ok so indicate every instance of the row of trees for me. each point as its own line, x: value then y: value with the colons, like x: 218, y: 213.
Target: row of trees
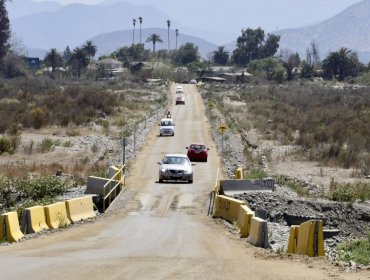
x: 254, y: 50
x: 78, y: 59
x: 154, y: 36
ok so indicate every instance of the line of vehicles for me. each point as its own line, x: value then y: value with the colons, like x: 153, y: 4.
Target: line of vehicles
x: 178, y: 167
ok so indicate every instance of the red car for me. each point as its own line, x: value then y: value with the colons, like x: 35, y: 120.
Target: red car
x: 197, y: 152
x: 180, y: 100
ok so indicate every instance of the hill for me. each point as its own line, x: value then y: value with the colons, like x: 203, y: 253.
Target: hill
x: 109, y: 42
x: 74, y: 24
x: 350, y: 29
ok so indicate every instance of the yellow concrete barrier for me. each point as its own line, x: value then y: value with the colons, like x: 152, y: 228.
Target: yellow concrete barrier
x: 293, y: 236
x: 310, y: 239
x: 244, y: 220
x: 56, y: 215
x: 258, y: 233
x: 227, y: 208
x: 80, y: 208
x: 2, y: 227
x: 239, y: 174
x: 34, y: 220
x: 11, y: 224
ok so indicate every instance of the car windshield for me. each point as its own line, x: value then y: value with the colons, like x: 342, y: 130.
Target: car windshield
x: 166, y: 123
x: 197, y: 147
x: 175, y: 160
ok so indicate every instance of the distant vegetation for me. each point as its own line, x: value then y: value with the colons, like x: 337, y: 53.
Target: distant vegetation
x: 330, y: 126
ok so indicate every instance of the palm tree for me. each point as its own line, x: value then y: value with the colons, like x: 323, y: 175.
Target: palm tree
x: 133, y: 31
x: 177, y: 35
x: 341, y: 63
x: 168, y: 34
x: 221, y: 56
x: 154, y: 38
x: 90, y: 49
x: 53, y: 59
x: 140, y: 21
x: 79, y: 60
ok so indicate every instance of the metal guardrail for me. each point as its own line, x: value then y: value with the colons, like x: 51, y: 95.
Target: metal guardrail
x: 121, y: 173
x: 213, y: 194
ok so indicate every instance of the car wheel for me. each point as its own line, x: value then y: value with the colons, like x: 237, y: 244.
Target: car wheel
x: 160, y: 180
x: 205, y: 160
x: 190, y: 181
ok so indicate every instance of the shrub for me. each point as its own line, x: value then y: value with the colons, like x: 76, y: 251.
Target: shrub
x: 38, y: 117
x: 357, y: 250
x: 67, y: 144
x: 40, y: 188
x: 46, y: 145
x: 349, y: 192
x: 256, y: 174
x: 8, y: 144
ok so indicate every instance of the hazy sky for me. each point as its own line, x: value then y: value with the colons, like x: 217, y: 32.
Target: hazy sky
x: 223, y: 16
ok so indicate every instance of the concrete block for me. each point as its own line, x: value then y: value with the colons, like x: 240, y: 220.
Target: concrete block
x: 81, y: 208
x: 244, y: 220
x: 310, y: 239
x: 227, y: 208
x: 293, y: 236
x: 232, y: 187
x: 258, y: 233
x: 98, y: 185
x: 33, y: 220
x: 12, y: 229
x: 56, y: 215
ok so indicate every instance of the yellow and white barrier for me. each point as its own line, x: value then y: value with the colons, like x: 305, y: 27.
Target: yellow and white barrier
x: 56, y: 215
x: 244, y: 220
x: 80, y: 208
x: 258, y: 233
x: 10, y: 230
x: 34, y: 220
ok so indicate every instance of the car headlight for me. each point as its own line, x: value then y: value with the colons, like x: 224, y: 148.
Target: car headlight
x: 187, y: 172
x: 163, y: 170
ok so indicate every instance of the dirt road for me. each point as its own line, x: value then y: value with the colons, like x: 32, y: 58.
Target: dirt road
x: 159, y: 231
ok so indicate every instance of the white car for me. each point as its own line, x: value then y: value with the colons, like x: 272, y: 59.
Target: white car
x: 179, y: 89
x: 175, y: 167
x: 194, y: 82
x: 166, y: 127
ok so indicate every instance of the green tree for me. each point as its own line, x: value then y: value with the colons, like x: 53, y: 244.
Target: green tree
x: 270, y: 66
x: 4, y: 30
x: 67, y: 54
x: 341, y: 64
x: 154, y: 38
x: 79, y: 61
x: 90, y: 49
x: 132, y: 53
x: 53, y: 59
x: 289, y: 62
x: 187, y: 53
x: 221, y: 56
x: 253, y: 45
